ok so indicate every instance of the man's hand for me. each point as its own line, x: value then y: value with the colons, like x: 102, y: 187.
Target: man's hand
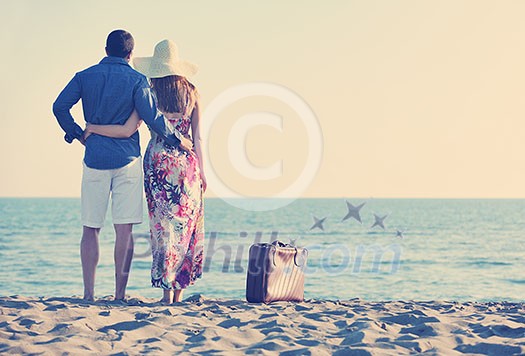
x: 87, y: 133
x: 186, y: 144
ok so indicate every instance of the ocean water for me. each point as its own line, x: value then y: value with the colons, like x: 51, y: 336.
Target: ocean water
x: 454, y: 249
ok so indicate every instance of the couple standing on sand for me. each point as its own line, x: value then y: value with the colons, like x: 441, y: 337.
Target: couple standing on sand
x: 115, y: 100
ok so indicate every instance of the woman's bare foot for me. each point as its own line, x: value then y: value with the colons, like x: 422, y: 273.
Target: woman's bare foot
x: 167, y: 297
x: 178, y: 295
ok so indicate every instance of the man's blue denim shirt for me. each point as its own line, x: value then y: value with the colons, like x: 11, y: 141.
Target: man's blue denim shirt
x: 110, y: 91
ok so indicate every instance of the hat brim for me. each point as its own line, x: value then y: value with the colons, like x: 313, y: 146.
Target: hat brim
x: 151, y: 67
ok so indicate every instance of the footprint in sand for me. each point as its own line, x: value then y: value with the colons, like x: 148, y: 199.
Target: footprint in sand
x: 489, y: 349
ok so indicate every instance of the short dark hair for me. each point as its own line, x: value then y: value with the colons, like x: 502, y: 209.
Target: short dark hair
x: 120, y: 43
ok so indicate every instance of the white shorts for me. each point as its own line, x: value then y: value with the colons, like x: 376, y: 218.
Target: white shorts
x: 126, y: 187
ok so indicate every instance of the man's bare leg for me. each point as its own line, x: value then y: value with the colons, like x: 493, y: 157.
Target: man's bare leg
x: 123, y: 257
x: 89, y: 254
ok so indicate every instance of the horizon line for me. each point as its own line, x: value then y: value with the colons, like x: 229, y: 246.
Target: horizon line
x: 315, y: 197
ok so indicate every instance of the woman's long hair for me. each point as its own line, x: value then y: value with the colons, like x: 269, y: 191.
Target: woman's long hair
x: 174, y: 93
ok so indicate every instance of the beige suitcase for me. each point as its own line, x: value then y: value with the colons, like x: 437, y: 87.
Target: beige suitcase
x: 275, y: 273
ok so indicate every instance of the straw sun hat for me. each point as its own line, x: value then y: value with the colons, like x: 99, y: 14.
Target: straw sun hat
x: 165, y: 62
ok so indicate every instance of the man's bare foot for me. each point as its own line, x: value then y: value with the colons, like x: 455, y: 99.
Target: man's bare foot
x: 120, y: 296
x: 89, y: 298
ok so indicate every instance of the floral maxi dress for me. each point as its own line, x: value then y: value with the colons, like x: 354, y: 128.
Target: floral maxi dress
x: 174, y: 194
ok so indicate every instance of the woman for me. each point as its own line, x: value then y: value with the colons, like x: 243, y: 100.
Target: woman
x: 173, y: 178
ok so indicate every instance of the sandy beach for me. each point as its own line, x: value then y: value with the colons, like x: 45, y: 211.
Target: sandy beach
x: 201, y: 325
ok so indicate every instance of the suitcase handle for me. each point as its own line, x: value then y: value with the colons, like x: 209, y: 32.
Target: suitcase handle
x: 274, y: 248
x: 305, y: 252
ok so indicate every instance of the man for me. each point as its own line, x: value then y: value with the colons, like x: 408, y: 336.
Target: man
x: 110, y: 91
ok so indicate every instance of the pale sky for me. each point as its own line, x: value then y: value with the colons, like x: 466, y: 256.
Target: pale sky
x: 413, y: 98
